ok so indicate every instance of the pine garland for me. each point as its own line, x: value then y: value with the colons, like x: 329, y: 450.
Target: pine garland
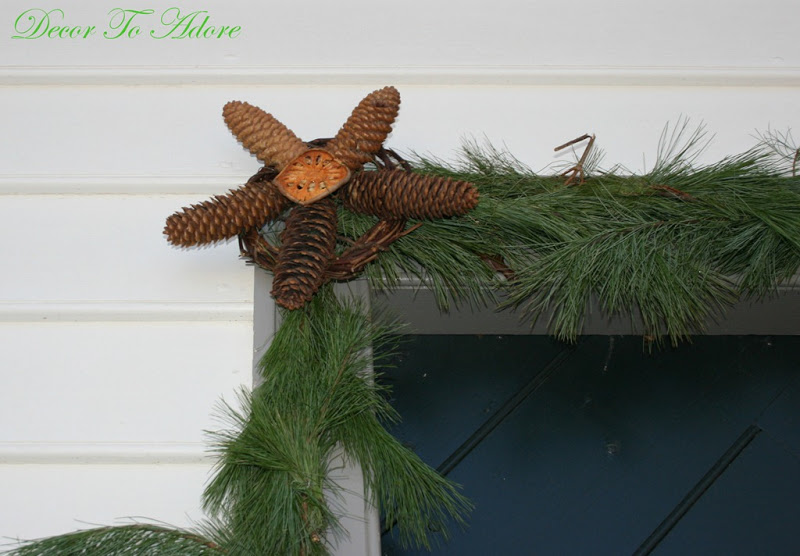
x: 126, y: 540
x: 672, y: 247
x: 314, y: 400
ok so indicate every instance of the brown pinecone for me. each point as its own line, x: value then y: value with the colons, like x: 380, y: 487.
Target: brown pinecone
x: 401, y: 194
x: 366, y: 129
x: 272, y: 142
x: 307, y: 246
x: 225, y: 216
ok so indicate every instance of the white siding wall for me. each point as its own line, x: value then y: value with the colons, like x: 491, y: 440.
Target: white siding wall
x: 115, y: 346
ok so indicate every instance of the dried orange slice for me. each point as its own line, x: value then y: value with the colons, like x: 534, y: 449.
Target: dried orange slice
x: 311, y: 176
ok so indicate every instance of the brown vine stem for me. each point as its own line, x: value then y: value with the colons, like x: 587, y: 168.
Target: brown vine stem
x: 497, y: 264
x: 570, y: 143
x: 576, y: 174
x: 314, y: 537
x: 386, y: 155
x: 367, y: 248
x: 667, y: 191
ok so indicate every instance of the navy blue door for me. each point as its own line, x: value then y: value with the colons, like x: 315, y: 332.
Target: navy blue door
x: 602, y: 448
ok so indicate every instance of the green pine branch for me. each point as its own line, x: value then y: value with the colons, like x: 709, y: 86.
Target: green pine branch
x: 272, y: 477
x: 126, y: 540
x: 671, y: 248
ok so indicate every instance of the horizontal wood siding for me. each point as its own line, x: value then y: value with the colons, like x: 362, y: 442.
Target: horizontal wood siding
x: 116, y: 346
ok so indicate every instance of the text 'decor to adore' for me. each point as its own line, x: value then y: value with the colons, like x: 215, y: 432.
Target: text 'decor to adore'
x: 121, y: 23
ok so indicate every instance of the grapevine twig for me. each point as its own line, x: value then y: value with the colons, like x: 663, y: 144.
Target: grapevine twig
x: 576, y: 173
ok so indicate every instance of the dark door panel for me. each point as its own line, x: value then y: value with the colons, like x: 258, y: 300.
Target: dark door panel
x: 604, y: 448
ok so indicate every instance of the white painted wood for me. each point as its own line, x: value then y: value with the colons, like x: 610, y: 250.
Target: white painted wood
x: 266, y: 319
x: 419, y: 34
x: 357, y: 516
x: 592, y: 76
x: 118, y: 184
x: 144, y: 134
x: 111, y: 383
x: 44, y: 500
x: 127, y: 311
x: 775, y: 315
x: 110, y: 249
x: 142, y: 453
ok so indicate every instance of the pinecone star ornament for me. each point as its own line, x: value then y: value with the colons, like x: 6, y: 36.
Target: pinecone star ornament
x: 308, y: 181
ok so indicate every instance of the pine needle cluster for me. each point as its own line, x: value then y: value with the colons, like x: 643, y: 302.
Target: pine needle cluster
x: 273, y: 484
x: 672, y: 248
x: 126, y: 540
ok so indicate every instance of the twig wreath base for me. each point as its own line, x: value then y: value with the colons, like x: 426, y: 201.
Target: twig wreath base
x: 349, y: 264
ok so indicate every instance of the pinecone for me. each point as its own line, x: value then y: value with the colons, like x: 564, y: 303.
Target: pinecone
x: 307, y: 246
x: 225, y: 216
x: 272, y: 142
x: 401, y: 194
x: 366, y: 129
